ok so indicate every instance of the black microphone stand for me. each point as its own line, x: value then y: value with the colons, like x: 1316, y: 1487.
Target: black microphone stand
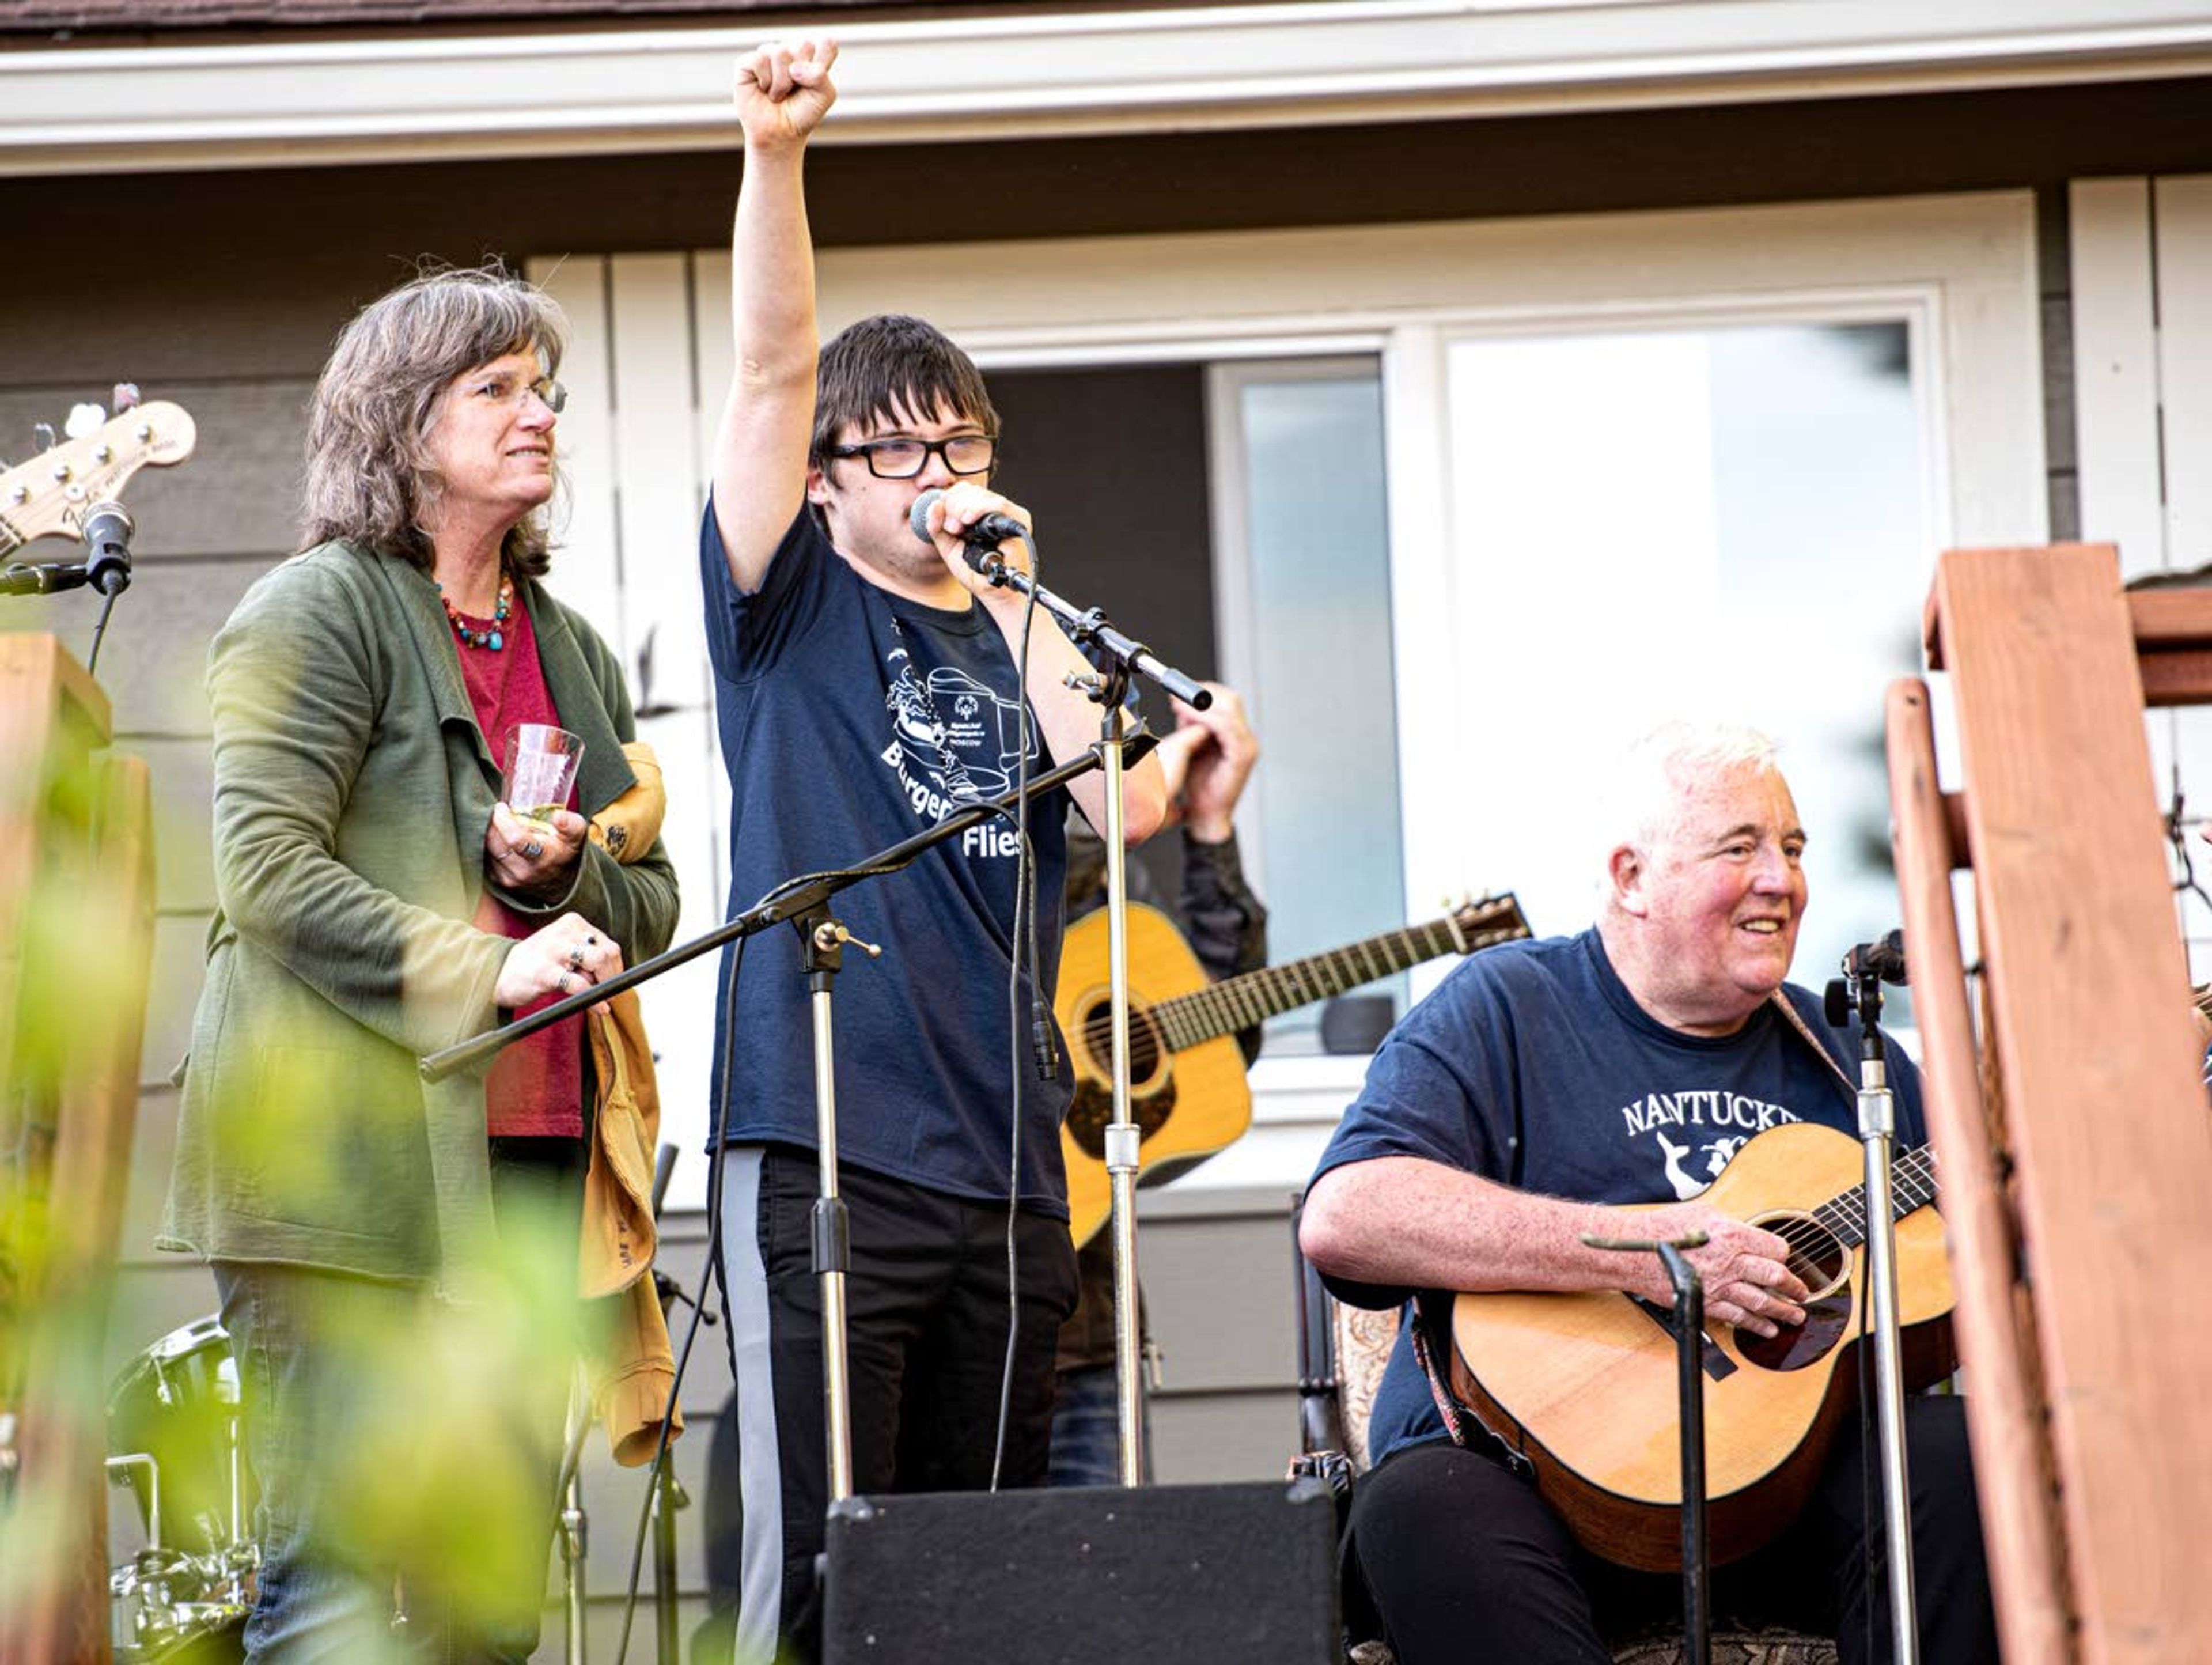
x: 1689, y: 1323
x: 803, y: 903
x: 107, y: 528
x: 1859, y: 989
x: 42, y: 577
x: 1123, y: 1138
x: 790, y: 902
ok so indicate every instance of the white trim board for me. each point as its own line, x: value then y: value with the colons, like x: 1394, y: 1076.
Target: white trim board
x: 80, y: 109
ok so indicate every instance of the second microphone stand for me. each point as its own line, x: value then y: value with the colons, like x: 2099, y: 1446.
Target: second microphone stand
x: 1859, y: 990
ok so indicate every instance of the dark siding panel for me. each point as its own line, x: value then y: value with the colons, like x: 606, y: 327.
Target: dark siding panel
x: 183, y: 787
x: 1222, y: 1300
x: 179, y: 956
x: 1241, y: 1437
x: 238, y: 494
x: 154, y: 663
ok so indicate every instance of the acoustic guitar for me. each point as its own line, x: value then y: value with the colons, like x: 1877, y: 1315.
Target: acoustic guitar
x: 1584, y: 1385
x: 1187, y: 1088
x: 47, y: 496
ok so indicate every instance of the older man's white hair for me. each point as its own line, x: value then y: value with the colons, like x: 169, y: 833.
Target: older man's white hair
x: 1644, y: 800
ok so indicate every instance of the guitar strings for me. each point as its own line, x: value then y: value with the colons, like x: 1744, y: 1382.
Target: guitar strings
x: 1245, y: 1001
x: 1225, y: 1007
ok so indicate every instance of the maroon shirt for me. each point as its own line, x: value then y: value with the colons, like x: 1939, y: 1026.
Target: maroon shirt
x: 536, y: 1086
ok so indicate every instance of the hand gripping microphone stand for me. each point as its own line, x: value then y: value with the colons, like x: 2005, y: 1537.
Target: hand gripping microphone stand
x: 1866, y: 968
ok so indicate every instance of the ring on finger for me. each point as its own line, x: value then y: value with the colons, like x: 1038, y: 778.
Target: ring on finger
x: 576, y: 957
x: 532, y: 850
x: 563, y: 984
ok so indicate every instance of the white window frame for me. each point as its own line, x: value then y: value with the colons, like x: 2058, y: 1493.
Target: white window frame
x: 1235, y: 613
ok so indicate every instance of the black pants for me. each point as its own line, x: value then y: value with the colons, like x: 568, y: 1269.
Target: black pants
x: 927, y: 1329
x: 1465, y: 1563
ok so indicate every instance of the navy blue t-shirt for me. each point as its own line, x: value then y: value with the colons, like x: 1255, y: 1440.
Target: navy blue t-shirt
x: 1532, y: 1065
x: 850, y: 719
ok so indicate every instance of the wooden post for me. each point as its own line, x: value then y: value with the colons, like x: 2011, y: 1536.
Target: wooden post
x: 76, y: 915
x: 2080, y: 1267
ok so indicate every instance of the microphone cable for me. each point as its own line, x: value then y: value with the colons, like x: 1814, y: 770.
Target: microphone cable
x: 99, y: 632
x: 1026, y: 903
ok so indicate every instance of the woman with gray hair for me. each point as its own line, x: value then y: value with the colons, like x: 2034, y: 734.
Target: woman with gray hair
x: 376, y: 902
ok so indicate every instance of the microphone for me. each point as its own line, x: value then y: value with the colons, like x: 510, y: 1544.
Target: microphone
x: 983, y: 538
x: 107, y: 528
x: 1884, y: 959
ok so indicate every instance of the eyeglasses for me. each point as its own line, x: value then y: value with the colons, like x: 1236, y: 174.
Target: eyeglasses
x: 499, y: 390
x: 901, y: 459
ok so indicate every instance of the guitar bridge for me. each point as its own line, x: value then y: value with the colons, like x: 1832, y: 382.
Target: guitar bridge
x: 1717, y: 1364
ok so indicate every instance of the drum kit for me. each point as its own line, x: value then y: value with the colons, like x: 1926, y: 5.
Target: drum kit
x: 174, y: 1441
x: 173, y: 1431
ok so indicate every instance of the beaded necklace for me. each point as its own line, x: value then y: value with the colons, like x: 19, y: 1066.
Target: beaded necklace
x: 492, y: 635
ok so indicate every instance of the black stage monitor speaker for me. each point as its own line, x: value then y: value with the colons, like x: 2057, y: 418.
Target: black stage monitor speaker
x: 1210, y: 1575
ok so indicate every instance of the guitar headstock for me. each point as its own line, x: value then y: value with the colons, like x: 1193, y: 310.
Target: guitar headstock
x: 47, y: 496
x: 1487, y: 921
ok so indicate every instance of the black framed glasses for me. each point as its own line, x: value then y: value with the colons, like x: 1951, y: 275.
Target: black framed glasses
x: 901, y: 459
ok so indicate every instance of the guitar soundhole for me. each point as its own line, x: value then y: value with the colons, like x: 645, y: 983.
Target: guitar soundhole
x: 1146, y: 1052
x: 1823, y: 1264
x: 1151, y: 1085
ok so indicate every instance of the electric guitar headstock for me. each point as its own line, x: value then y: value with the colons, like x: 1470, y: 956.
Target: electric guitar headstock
x: 47, y: 496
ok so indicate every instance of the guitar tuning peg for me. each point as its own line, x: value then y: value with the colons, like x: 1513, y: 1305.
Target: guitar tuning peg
x: 126, y: 396
x: 84, y: 419
x: 42, y: 435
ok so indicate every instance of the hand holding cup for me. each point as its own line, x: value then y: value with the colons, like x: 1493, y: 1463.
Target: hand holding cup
x: 534, y: 837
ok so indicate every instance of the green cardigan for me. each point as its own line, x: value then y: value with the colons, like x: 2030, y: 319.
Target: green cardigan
x: 352, y: 792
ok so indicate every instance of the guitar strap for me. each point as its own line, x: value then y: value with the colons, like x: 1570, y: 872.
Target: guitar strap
x: 1460, y: 1421
x: 1804, y: 1029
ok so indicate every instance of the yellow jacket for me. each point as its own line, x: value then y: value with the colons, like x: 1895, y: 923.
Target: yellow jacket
x: 633, y: 1369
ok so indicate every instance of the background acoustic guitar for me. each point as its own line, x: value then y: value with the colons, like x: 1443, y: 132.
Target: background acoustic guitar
x: 1583, y: 1385
x: 1187, y: 1086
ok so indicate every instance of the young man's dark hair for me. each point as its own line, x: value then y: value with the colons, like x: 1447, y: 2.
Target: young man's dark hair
x: 889, y: 364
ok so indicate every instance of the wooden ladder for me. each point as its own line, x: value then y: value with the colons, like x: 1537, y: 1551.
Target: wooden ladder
x: 2073, y: 1135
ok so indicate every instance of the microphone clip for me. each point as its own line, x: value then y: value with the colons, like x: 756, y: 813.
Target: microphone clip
x: 1866, y: 968
x: 108, y: 531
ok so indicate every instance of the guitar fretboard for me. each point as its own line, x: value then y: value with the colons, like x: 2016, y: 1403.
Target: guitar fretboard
x: 1911, y: 1185
x: 1241, y: 1002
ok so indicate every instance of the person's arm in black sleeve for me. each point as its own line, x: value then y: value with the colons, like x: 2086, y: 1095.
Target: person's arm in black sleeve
x: 1208, y: 759
x: 1226, y: 924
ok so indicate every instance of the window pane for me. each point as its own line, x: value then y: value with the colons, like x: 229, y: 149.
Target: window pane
x: 1318, y: 549
x: 1729, y: 522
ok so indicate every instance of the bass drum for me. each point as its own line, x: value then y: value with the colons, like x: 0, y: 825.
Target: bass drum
x: 174, y: 1441
x: 176, y: 1405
